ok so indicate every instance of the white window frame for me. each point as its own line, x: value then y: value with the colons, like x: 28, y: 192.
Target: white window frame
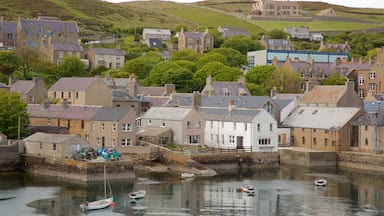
x: 126, y: 127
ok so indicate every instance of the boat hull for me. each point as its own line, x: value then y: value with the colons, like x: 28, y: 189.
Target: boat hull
x: 137, y: 194
x: 98, y: 204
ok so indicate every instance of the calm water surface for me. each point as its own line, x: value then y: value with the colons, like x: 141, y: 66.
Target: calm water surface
x: 286, y: 191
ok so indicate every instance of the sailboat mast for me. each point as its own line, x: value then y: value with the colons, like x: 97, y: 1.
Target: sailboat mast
x: 105, y: 183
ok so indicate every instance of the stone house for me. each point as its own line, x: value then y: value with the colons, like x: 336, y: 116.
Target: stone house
x: 53, y: 145
x: 228, y: 32
x: 31, y: 32
x: 322, y: 128
x: 251, y: 130
x: 113, y: 127
x: 8, y: 34
x: 57, y: 51
x: 197, y: 41
x: 298, y: 32
x: 110, y: 58
x: 341, y: 47
x: 163, y: 34
x: 81, y: 91
x: 75, y: 119
x: 276, y: 8
x: 187, y: 124
x: 217, y: 88
x: 276, y: 44
x: 31, y: 91
x: 329, y: 12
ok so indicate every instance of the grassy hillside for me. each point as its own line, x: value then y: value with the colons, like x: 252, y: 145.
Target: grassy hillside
x: 96, y: 16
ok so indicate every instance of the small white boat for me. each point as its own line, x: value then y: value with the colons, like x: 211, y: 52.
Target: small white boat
x: 247, y: 188
x: 98, y: 204
x: 137, y: 194
x: 320, y: 182
x: 187, y: 175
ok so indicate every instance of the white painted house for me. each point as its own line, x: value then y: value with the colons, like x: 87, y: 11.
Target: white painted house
x: 249, y: 129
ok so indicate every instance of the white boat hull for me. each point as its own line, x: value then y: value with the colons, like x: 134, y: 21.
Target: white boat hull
x: 320, y: 182
x: 95, y: 205
x: 137, y: 194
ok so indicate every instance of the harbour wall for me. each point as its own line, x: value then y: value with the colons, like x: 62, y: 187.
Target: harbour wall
x: 9, y: 158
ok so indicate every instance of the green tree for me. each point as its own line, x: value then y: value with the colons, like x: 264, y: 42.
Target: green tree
x: 218, y: 71
x: 289, y: 81
x: 242, y: 44
x: 11, y: 107
x: 191, y: 66
x: 72, y: 66
x: 260, y: 79
x: 211, y: 57
x: 277, y: 34
x: 234, y: 57
x: 334, y: 79
x: 170, y: 72
x: 8, y: 62
x: 142, y: 65
x: 185, y: 54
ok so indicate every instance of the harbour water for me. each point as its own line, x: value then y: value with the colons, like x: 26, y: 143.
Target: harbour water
x: 284, y: 191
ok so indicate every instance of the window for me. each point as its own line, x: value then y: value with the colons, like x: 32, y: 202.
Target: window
x: 162, y: 123
x: 114, y: 127
x: 211, y: 124
x: 372, y: 75
x: 234, y: 125
x: 77, y: 95
x: 222, y: 139
x: 198, y: 124
x: 49, y: 121
x: 82, y: 124
x: 41, y: 145
x: 361, y: 80
x: 194, y: 139
x: 188, y: 124
x: 231, y: 139
x: 126, y: 142
x: 126, y: 127
x: 149, y: 121
x: 258, y: 127
x: 31, y: 98
x: 326, y: 142
x: 98, y: 141
x: 138, y: 122
x: 113, y: 142
x: 360, y: 92
x: 366, y: 127
x: 69, y: 94
x: 245, y: 126
x: 54, y: 94
x: 366, y: 141
x: 303, y: 140
x: 314, y: 141
x: 271, y: 127
x: 372, y: 86
x: 102, y: 126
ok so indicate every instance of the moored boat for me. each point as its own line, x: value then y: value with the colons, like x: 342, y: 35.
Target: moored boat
x: 320, y: 182
x: 247, y: 188
x: 187, y: 175
x: 137, y: 194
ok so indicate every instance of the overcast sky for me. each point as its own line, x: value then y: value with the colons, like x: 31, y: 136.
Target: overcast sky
x: 348, y: 3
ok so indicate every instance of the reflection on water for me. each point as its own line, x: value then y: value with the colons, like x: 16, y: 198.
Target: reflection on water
x: 285, y: 191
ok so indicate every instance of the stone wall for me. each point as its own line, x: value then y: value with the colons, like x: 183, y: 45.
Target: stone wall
x: 9, y: 158
x: 307, y: 157
x: 363, y: 161
x: 77, y: 170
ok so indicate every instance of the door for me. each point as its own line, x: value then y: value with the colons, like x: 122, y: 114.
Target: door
x: 239, y: 141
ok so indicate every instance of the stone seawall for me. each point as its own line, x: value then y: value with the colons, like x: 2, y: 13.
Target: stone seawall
x: 362, y: 161
x: 307, y: 157
x: 9, y: 158
x: 223, y: 162
x: 77, y: 170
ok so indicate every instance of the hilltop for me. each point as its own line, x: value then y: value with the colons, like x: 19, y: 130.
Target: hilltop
x: 100, y: 17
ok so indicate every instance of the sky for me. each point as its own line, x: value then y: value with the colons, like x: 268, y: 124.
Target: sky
x: 348, y: 3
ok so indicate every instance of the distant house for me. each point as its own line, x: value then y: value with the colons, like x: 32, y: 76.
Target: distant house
x: 212, y: 88
x: 228, y: 32
x: 316, y: 36
x: 81, y: 91
x: 276, y: 8
x: 251, y: 130
x: 53, y: 145
x: 8, y: 34
x: 321, y: 127
x: 343, y: 47
x: 57, y: 51
x: 163, y: 34
x: 277, y: 44
x: 107, y: 57
x: 62, y: 118
x: 301, y: 33
x: 31, y: 91
x: 4, y: 87
x: 198, y: 41
x: 329, y: 12
x: 186, y: 124
x: 113, y: 127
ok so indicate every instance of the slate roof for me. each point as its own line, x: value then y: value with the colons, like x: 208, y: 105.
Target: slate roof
x: 315, y: 68
x: 152, y: 131
x: 195, y: 35
x: 155, y: 43
x: 156, y: 100
x: 167, y: 113
x: 108, y: 51
x: 346, y: 68
x: 150, y: 91
x: 122, y: 95
x: 278, y: 42
x: 22, y: 86
x: 234, y: 88
x: 282, y: 102
x: 327, y: 118
x: 324, y: 95
x: 156, y: 31
x: 68, y: 47
x: 54, y: 25
x: 234, y: 115
x: 369, y: 119
x: 110, y: 114
x: 58, y: 111
x: 73, y: 83
x: 240, y: 101
x: 52, y: 138
x: 8, y: 26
